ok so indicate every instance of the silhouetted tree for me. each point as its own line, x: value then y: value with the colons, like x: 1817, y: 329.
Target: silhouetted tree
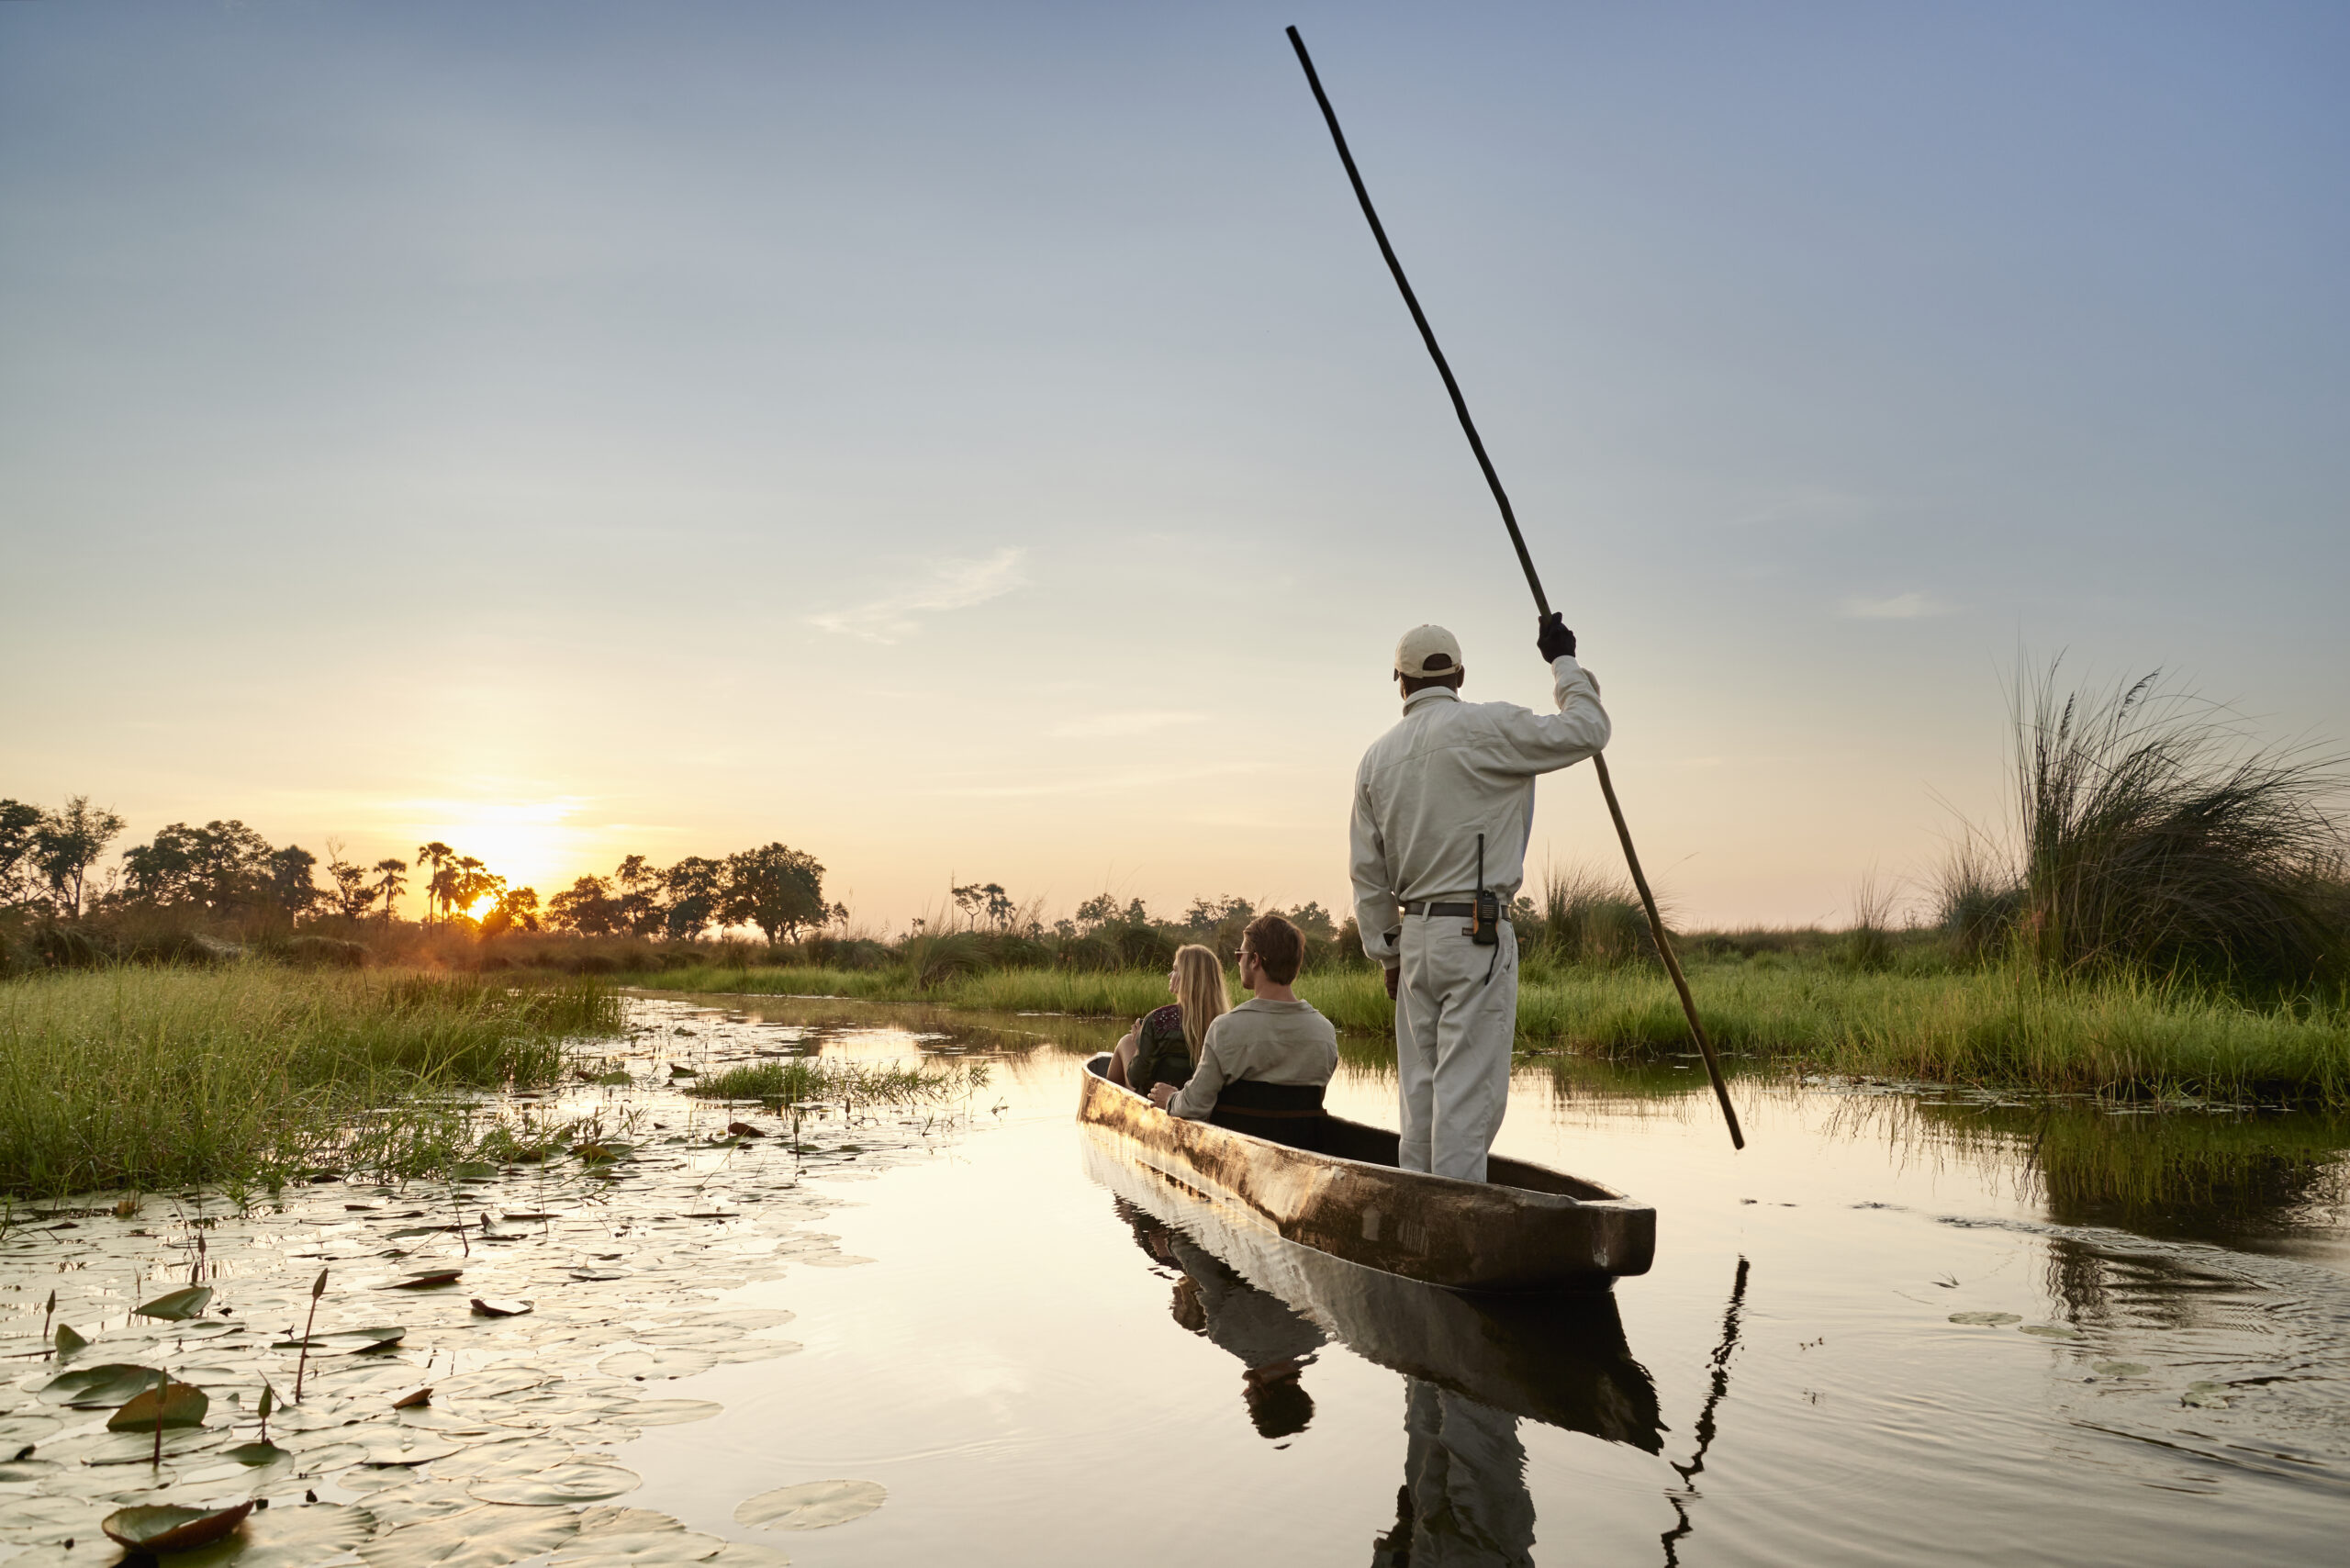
x: 219, y: 866
x: 290, y: 887
x: 65, y: 844
x: 388, y: 885
x: 985, y: 901
x: 639, y: 899
x: 696, y: 887
x: 776, y: 890
x: 433, y: 857
x: 515, y: 907
x: 585, y: 907
x: 19, y: 821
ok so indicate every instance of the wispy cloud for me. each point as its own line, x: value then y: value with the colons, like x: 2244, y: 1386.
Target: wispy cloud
x: 952, y: 585
x: 1900, y: 607
x: 1141, y: 722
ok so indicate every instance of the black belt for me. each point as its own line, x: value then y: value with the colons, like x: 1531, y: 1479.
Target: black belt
x: 1441, y: 910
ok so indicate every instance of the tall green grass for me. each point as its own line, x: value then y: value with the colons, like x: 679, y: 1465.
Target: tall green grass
x: 2005, y: 1024
x: 143, y: 1078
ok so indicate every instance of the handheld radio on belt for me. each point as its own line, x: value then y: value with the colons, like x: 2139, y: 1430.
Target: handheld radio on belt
x: 1485, y: 913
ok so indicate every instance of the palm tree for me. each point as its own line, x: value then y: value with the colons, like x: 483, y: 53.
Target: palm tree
x: 389, y: 884
x: 436, y: 855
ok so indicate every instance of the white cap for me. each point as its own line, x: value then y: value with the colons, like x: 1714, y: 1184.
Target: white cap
x: 1428, y: 650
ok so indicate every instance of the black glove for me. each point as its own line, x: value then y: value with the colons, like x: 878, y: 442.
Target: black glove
x: 1553, y: 638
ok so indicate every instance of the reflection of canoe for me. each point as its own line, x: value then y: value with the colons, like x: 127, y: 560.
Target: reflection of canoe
x: 1525, y: 1228
x: 1557, y: 1358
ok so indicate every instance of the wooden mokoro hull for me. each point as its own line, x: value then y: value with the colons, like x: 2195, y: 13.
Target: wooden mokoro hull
x: 1525, y: 1227
x: 1555, y: 1357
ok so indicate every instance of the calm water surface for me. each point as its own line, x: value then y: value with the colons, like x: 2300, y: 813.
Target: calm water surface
x: 1049, y: 1357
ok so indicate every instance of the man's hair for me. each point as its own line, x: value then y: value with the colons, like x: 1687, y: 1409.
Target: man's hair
x: 1422, y: 682
x: 1279, y: 946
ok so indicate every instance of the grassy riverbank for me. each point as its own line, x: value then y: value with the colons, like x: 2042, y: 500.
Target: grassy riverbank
x: 1999, y: 1024
x: 142, y: 1078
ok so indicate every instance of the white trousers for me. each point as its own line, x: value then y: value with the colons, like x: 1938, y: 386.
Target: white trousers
x: 1456, y: 1014
x: 1465, y: 1470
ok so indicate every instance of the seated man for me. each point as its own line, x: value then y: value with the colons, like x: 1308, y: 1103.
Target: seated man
x: 1264, y: 1064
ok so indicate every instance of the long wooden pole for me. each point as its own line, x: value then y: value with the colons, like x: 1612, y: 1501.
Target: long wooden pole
x: 1526, y: 562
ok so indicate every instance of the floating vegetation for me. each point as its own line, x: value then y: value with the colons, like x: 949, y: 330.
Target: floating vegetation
x: 813, y: 1081
x: 542, y: 1304
x: 812, y: 1504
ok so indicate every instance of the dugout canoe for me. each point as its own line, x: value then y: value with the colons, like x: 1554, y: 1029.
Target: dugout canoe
x: 1525, y: 1227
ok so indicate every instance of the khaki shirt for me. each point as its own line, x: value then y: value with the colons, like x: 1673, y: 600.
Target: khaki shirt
x: 1448, y: 771
x: 1272, y: 1042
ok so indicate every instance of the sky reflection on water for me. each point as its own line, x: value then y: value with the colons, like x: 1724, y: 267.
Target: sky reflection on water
x: 1788, y: 1382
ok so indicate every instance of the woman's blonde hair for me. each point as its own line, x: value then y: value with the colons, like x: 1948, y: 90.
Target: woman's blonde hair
x: 1199, y: 986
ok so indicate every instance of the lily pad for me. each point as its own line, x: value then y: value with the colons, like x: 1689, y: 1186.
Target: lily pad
x: 585, y: 1478
x: 2050, y: 1331
x: 747, y: 1554
x: 99, y: 1388
x: 667, y: 1412
x: 1986, y: 1319
x: 177, y: 1307
x: 347, y: 1341
x: 69, y: 1343
x: 2119, y: 1369
x: 175, y: 1404
x: 481, y: 1537
x: 286, y: 1537
x: 256, y: 1453
x: 39, y: 1521
x: 594, y: 1522
x: 148, y: 1530
x: 487, y: 1307
x: 660, y: 1549
x: 812, y: 1504
x: 643, y: 1364
x: 27, y: 1469
x: 432, y: 1279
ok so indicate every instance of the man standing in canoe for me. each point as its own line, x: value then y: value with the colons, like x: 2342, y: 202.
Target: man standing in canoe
x: 1444, y: 803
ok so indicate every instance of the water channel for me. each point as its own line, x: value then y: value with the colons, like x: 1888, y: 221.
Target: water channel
x: 1903, y: 1325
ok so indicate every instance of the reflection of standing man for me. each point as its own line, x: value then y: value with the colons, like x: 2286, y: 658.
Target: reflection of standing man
x: 1444, y: 803
x: 1464, y: 1503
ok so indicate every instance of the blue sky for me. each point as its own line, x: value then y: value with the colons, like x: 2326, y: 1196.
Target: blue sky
x: 982, y: 440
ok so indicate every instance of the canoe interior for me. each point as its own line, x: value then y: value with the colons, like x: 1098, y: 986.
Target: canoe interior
x: 1377, y: 1146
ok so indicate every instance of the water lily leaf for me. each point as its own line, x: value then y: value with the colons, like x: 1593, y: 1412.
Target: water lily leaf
x: 28, y: 1468
x: 2119, y: 1369
x: 593, y: 1275
x: 99, y: 1388
x: 351, y: 1341
x: 69, y: 1343
x: 581, y: 1479
x: 747, y: 1554
x: 667, y: 1412
x: 417, y: 1401
x: 491, y: 1307
x: 178, y: 1308
x: 136, y: 1447
x: 481, y: 1537
x: 431, y: 1279
x: 835, y: 1260
x: 2050, y: 1331
x: 26, y: 1429
x: 472, y: 1171
x: 644, y: 1365
x: 812, y: 1504
x: 286, y: 1536
x: 391, y: 1450
x: 256, y: 1453
x: 594, y: 1522
x: 418, y: 1501
x: 38, y: 1521
x: 662, y: 1548
x: 1986, y: 1319
x: 617, y: 1079
x: 155, y: 1528
x: 175, y: 1404
x: 512, y: 1459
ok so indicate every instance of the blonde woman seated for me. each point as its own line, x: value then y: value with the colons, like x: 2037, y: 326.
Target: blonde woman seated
x: 1163, y: 1047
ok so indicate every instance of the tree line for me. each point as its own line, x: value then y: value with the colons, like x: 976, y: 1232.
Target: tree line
x: 226, y: 869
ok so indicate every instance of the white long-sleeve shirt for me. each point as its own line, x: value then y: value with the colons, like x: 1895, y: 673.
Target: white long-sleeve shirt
x: 1447, y: 772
